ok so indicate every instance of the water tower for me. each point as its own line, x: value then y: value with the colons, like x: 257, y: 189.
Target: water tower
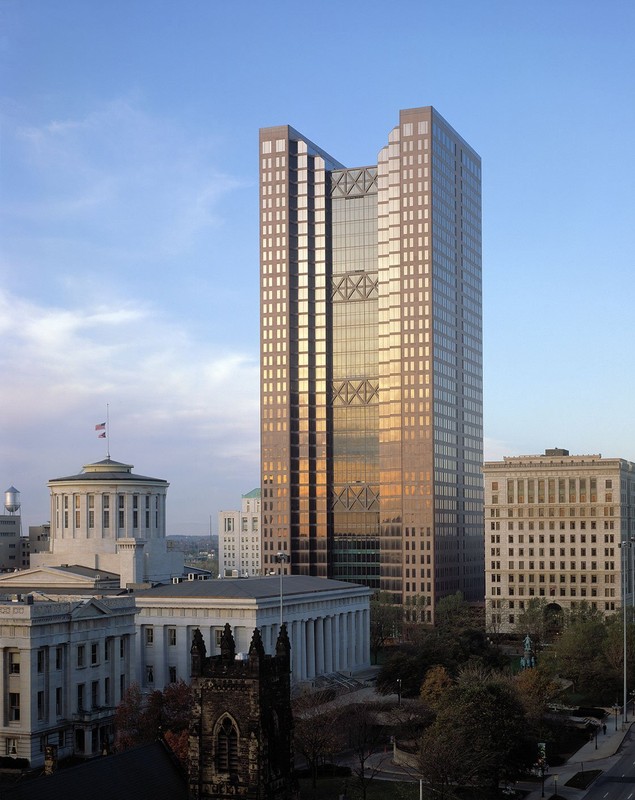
x: 12, y: 500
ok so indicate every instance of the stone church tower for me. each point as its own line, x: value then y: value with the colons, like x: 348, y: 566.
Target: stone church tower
x: 241, y: 736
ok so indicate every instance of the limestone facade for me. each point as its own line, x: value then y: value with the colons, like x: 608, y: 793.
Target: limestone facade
x: 64, y: 666
x: 328, y: 623
x: 557, y: 528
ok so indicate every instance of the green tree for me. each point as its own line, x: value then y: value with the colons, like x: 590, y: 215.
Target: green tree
x: 386, y: 619
x: 453, y: 614
x: 479, y: 734
x: 580, y: 656
x: 533, y: 620
x: 614, y: 648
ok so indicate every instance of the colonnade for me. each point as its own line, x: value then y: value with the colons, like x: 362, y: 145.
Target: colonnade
x: 333, y: 643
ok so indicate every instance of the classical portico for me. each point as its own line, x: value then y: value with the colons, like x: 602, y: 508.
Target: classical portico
x: 328, y: 623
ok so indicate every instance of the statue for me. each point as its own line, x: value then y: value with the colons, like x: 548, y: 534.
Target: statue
x: 528, y: 659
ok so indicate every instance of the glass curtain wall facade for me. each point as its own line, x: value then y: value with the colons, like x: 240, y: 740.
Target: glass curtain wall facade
x: 371, y: 362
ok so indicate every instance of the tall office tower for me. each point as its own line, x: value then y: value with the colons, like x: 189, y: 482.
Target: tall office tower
x: 371, y: 362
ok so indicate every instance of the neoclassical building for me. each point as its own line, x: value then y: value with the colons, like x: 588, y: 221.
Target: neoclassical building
x: 64, y: 666
x: 559, y: 530
x: 108, y: 518
x: 328, y: 623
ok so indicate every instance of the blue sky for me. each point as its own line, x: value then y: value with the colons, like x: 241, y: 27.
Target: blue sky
x: 129, y: 228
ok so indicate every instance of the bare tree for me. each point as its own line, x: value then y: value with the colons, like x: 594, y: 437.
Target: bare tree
x: 316, y: 733
x: 366, y: 736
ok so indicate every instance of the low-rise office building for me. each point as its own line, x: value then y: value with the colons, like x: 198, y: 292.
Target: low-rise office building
x: 557, y: 528
x: 239, y: 538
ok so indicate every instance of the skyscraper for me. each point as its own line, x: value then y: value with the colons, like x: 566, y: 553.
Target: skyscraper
x: 371, y: 362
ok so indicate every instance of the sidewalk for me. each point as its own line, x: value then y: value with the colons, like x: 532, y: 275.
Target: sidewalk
x: 382, y: 764
x: 607, y: 745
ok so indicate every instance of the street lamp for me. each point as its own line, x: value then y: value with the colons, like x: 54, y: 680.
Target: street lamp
x: 616, y: 708
x: 281, y: 558
x: 624, y: 576
x: 555, y: 785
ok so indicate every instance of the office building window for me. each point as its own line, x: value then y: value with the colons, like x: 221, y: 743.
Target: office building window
x: 14, y: 706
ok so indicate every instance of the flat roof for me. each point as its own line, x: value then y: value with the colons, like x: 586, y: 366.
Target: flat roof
x: 252, y: 588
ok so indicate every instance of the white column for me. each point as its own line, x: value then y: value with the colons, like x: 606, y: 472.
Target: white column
x: 328, y: 644
x: 296, y: 649
x: 359, y: 660
x: 344, y: 647
x: 337, y: 642
x: 303, y: 648
x: 319, y: 645
x: 160, y: 657
x: 366, y: 645
x: 350, y: 641
x: 184, y: 639
x: 310, y: 648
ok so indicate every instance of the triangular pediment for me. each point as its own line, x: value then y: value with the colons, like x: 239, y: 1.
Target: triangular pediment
x: 45, y: 577
x: 90, y: 608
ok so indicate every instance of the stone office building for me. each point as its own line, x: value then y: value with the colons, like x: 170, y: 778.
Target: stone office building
x: 558, y: 528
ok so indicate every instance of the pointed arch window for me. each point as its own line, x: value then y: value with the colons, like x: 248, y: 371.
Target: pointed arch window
x: 227, y: 747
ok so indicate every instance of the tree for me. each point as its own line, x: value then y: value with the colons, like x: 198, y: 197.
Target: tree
x: 453, y: 613
x: 167, y: 713
x: 316, y: 731
x: 130, y: 722
x: 478, y: 735
x: 435, y: 686
x: 365, y: 734
x: 579, y: 655
x: 533, y: 620
x: 535, y: 688
x: 440, y: 762
x: 614, y: 648
x: 385, y: 622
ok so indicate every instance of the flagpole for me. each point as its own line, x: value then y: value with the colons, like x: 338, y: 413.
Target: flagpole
x: 108, y: 431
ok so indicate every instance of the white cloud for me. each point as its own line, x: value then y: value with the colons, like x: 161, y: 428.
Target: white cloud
x: 177, y: 405
x: 108, y: 219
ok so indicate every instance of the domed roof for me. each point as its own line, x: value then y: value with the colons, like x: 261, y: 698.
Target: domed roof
x: 107, y: 470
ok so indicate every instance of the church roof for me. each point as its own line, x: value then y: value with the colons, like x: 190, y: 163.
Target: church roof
x: 145, y: 773
x: 251, y: 588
